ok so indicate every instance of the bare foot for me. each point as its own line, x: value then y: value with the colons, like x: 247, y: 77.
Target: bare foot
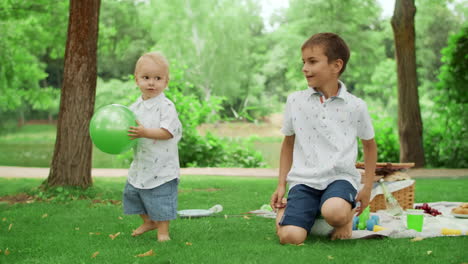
x: 145, y: 227
x: 163, y: 238
x: 343, y: 232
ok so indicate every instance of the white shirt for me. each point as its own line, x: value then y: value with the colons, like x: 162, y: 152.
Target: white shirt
x: 325, y: 146
x: 155, y: 161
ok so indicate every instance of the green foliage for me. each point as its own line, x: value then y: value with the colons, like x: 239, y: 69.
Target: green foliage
x: 123, y: 37
x: 386, y: 138
x: 446, y: 140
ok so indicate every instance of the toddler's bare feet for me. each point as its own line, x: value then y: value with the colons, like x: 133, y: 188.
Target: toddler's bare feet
x: 343, y: 232
x: 163, y: 237
x: 145, y: 227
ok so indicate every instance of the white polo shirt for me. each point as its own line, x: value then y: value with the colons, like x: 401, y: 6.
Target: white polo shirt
x: 325, y: 146
x: 155, y: 161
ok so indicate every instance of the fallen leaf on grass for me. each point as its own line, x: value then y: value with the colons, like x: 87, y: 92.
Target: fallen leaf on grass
x: 7, y: 252
x: 45, y: 215
x: 114, y: 236
x: 330, y: 257
x: 429, y: 252
x: 246, y: 217
x: 416, y: 239
x: 120, y: 218
x: 188, y: 243
x: 95, y: 254
x: 77, y: 228
x: 146, y: 254
x: 10, y: 226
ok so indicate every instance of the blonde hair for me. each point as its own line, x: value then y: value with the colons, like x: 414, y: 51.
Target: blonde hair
x: 156, y: 57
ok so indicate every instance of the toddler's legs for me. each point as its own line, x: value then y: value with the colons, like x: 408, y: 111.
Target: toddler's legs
x: 289, y: 234
x: 147, y: 225
x: 339, y: 214
x: 163, y: 231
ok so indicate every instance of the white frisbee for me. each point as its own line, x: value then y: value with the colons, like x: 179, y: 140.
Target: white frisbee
x: 194, y: 213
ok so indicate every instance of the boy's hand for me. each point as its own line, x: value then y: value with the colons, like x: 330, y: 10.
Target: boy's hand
x: 362, y: 199
x: 277, y: 199
x: 137, y: 132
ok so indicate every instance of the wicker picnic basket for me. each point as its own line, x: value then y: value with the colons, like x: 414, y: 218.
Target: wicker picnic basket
x: 405, y: 198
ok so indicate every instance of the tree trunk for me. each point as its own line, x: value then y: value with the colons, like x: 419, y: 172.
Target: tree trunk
x: 409, y: 114
x: 71, y: 163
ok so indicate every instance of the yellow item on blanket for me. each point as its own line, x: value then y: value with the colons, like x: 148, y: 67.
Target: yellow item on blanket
x: 378, y: 228
x: 448, y: 232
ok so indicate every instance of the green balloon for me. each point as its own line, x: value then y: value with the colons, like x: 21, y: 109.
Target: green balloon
x: 109, y: 128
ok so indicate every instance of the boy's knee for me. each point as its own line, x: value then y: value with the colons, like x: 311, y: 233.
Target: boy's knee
x: 294, y: 235
x: 336, y: 211
x: 338, y: 218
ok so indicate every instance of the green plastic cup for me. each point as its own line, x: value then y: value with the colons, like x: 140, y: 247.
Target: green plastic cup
x: 415, y: 219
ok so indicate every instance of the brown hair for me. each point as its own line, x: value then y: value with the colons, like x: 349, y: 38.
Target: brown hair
x: 156, y: 57
x: 333, y: 45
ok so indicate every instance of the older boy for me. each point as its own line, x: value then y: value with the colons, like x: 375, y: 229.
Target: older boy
x: 319, y: 150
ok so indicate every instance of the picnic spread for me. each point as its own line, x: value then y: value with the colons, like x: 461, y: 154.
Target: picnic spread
x: 391, y: 211
x: 435, y: 219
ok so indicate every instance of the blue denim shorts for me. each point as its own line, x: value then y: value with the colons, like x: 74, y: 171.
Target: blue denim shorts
x: 159, y: 203
x: 304, y: 203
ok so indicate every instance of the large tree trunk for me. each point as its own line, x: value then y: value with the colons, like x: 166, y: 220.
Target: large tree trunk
x: 71, y: 164
x: 409, y: 115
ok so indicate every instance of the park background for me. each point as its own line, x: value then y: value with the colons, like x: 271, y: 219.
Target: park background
x: 233, y: 63
x: 232, y: 66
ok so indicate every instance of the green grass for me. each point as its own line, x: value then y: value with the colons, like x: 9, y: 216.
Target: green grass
x: 64, y: 235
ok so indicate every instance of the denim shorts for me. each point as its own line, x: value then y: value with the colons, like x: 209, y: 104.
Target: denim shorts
x: 159, y: 203
x: 304, y: 203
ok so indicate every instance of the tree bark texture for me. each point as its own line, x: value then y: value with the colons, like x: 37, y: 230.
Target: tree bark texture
x: 409, y: 115
x: 71, y: 163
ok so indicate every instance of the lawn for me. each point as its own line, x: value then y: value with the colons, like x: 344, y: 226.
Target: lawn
x: 72, y: 232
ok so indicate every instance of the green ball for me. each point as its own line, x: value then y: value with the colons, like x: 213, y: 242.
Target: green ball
x: 109, y: 128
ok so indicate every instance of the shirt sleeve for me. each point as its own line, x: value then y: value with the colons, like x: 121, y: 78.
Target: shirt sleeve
x: 170, y: 120
x: 287, y: 129
x: 365, y: 130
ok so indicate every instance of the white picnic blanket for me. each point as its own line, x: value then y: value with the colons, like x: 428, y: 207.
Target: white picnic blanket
x: 396, y: 225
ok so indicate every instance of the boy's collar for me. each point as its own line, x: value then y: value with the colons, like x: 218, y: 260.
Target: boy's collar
x: 342, y: 91
x: 149, y: 103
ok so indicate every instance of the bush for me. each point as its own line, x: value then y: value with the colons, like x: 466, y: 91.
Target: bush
x: 386, y: 138
x: 445, y: 129
x: 208, y: 151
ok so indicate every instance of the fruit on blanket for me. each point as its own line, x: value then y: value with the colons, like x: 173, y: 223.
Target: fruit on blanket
x: 428, y: 210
